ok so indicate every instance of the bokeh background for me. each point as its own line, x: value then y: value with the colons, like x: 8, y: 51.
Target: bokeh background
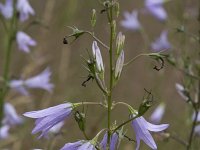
x: 68, y: 73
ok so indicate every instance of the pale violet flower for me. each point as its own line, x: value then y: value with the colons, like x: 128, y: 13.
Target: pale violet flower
x: 24, y: 41
x: 4, y: 132
x: 155, y: 7
x: 97, y: 56
x: 79, y: 145
x: 24, y: 9
x: 131, y: 21
x: 142, y: 128
x: 119, y: 64
x: 7, y: 9
x: 49, y: 117
x: 41, y: 81
x: 113, y: 141
x: 197, y: 130
x: 161, y: 43
x: 158, y: 113
x: 10, y: 115
x: 181, y: 91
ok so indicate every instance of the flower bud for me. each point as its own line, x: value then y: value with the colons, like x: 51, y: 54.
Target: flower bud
x: 183, y: 92
x: 93, y: 18
x: 97, y: 57
x: 119, y: 65
x: 120, y: 42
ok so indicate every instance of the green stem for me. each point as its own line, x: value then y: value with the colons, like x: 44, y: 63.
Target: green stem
x: 192, y: 130
x: 110, y: 18
x: 124, y: 123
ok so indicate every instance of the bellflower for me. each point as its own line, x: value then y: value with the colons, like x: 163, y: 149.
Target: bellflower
x: 161, y: 43
x: 49, y: 117
x: 155, y: 7
x: 4, y: 134
x: 41, y: 81
x: 181, y: 91
x: 142, y: 128
x: 7, y: 9
x: 158, y: 113
x: 79, y: 145
x: 97, y: 56
x: 24, y: 9
x: 24, y: 41
x: 113, y: 141
x: 197, y: 130
x: 11, y: 117
x: 131, y: 21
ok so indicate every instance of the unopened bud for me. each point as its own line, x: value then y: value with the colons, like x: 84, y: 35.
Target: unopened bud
x: 93, y: 18
x: 97, y: 57
x: 120, y: 42
x: 184, y: 93
x: 119, y: 65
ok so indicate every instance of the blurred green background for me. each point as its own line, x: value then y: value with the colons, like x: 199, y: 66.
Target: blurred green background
x: 68, y: 73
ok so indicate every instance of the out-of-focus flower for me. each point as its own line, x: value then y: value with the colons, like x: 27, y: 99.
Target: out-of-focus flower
x: 79, y: 145
x: 4, y: 134
x: 113, y: 141
x: 11, y: 116
x: 7, y: 9
x: 197, y: 130
x: 119, y: 65
x: 56, y: 129
x: 131, y: 21
x: 142, y: 128
x: 182, y: 91
x: 162, y: 42
x: 24, y: 9
x: 41, y: 81
x: 24, y: 41
x: 49, y: 117
x: 158, y: 113
x: 155, y: 7
x: 97, y: 56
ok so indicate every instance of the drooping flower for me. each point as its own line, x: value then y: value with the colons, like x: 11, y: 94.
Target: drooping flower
x: 113, y: 141
x: 197, y: 130
x: 97, y: 56
x: 155, y: 7
x: 4, y: 134
x: 41, y: 81
x: 131, y: 21
x: 142, y: 128
x: 7, y: 9
x: 49, y: 117
x: 119, y: 65
x: 158, y: 113
x: 161, y: 43
x: 79, y: 145
x: 24, y: 9
x: 24, y: 41
x: 182, y: 91
x: 10, y: 115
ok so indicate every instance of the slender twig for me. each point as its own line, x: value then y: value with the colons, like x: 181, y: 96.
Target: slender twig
x: 178, y: 139
x: 124, y: 123
x: 192, y: 130
x: 97, y: 39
